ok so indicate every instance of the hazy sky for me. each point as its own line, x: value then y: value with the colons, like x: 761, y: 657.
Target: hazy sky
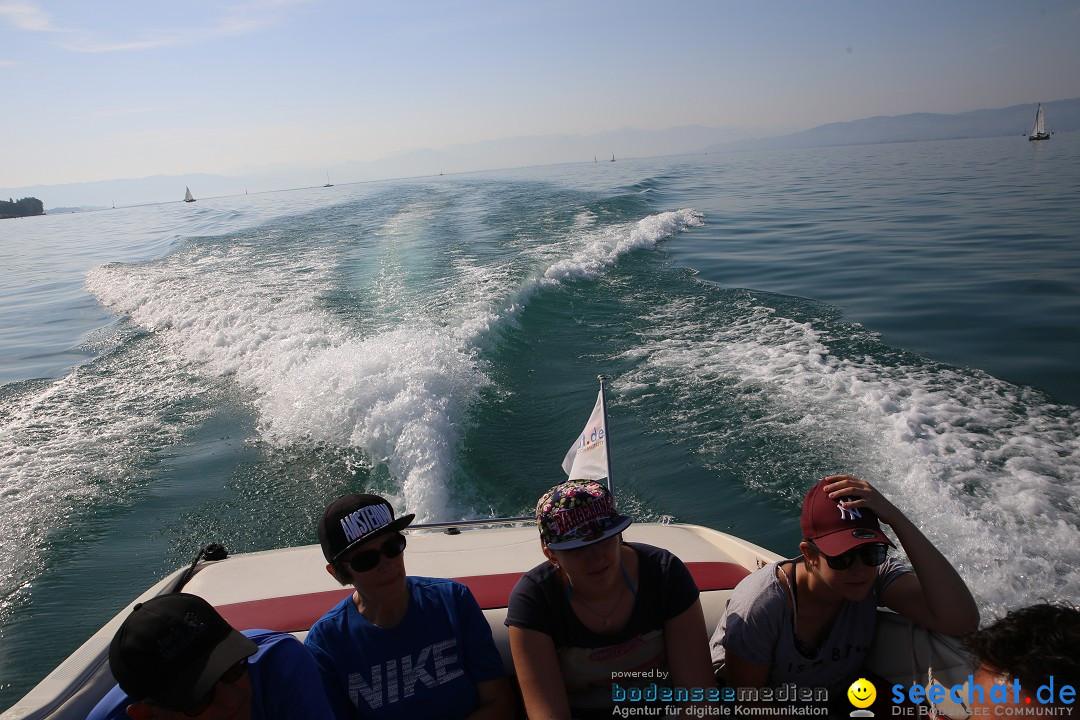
x: 98, y: 89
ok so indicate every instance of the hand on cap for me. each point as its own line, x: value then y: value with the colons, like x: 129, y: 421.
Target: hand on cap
x: 865, y: 495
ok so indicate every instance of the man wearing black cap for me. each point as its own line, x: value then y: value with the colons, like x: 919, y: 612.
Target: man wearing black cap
x: 400, y: 647
x: 176, y: 657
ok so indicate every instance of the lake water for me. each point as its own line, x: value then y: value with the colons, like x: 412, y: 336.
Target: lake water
x: 178, y: 374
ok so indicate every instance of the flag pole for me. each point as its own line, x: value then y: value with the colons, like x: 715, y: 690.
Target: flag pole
x: 607, y: 435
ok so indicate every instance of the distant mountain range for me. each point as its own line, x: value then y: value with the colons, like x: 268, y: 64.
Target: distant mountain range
x: 1062, y: 116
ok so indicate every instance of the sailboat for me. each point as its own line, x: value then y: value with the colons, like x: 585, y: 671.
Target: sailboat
x: 187, y: 195
x: 328, y: 183
x: 612, y: 158
x: 1038, y: 130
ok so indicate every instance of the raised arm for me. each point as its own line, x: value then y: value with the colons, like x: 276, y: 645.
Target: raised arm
x: 538, y: 674
x: 935, y: 596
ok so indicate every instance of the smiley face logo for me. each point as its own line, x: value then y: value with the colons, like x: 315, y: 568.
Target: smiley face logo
x: 862, y: 693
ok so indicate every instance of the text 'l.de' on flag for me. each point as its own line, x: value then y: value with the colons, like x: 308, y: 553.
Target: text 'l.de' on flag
x: 587, y: 459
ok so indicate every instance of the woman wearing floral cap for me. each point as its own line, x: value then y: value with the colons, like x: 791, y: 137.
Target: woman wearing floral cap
x: 601, y: 615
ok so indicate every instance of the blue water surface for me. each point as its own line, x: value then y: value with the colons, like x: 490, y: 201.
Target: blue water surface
x: 177, y: 374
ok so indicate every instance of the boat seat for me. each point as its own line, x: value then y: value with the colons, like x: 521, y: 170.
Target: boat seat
x: 297, y: 613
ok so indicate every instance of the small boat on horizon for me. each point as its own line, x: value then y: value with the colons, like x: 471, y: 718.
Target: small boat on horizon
x: 1038, y: 130
x: 188, y: 197
x: 328, y: 183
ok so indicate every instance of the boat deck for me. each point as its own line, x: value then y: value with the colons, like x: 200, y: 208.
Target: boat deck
x: 289, y: 589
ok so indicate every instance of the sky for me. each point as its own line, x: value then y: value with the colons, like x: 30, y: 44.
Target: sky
x: 134, y: 88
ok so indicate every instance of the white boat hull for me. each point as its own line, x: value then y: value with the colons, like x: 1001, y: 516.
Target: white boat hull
x: 289, y: 589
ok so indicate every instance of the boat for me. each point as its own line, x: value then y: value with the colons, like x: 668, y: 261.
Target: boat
x: 612, y: 158
x: 1038, y: 129
x: 188, y: 197
x: 288, y: 589
x: 328, y: 183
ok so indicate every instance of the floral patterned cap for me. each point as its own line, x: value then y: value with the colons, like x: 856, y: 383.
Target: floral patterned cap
x: 578, y: 513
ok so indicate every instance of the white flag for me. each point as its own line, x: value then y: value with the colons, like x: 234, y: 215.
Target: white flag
x: 587, y: 459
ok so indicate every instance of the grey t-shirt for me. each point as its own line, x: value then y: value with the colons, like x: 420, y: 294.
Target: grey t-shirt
x: 757, y: 626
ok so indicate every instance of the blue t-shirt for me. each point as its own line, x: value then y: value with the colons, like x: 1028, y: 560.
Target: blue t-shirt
x: 434, y: 658
x: 284, y: 683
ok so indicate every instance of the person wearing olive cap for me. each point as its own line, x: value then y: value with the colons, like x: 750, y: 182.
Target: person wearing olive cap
x: 400, y: 646
x: 175, y: 657
x: 810, y: 621
x: 601, y: 612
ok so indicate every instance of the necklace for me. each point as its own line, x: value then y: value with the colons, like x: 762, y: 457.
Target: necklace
x: 604, y: 616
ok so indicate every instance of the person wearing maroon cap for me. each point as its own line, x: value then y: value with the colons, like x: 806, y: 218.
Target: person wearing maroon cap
x: 810, y: 621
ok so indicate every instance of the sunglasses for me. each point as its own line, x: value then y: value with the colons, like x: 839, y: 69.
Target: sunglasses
x: 229, y: 677
x: 369, y: 559
x: 872, y: 555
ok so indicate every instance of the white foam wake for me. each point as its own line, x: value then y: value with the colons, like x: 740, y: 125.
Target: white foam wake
x: 71, y: 445
x: 395, y: 384
x: 989, y: 471
x: 606, y: 246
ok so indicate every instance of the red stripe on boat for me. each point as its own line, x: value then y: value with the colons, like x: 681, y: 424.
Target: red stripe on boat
x: 716, y: 575
x: 295, y: 613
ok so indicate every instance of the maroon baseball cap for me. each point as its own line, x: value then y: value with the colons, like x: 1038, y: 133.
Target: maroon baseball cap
x: 836, y: 530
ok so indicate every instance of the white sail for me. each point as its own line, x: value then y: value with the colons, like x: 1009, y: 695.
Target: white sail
x: 187, y: 195
x: 1038, y: 130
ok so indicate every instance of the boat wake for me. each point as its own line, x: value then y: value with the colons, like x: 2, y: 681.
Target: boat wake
x: 87, y: 441
x: 988, y: 470
x: 392, y: 374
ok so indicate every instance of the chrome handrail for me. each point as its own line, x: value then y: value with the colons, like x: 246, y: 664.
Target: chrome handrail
x: 472, y: 523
